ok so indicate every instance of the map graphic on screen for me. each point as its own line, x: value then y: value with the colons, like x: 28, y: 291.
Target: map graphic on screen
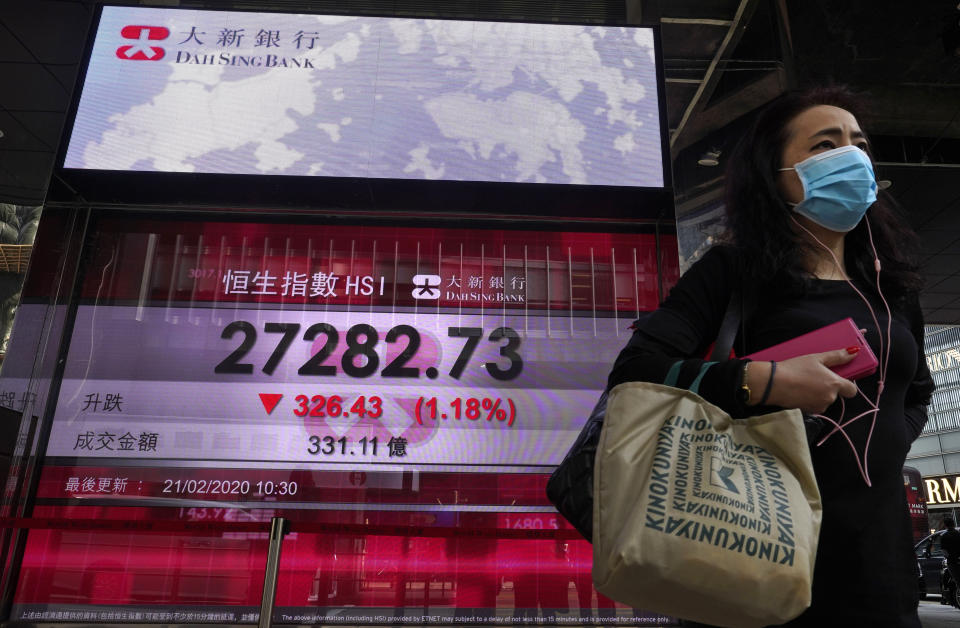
x: 343, y: 96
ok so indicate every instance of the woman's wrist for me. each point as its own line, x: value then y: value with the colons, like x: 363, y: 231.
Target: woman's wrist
x: 769, y: 387
x: 744, y: 393
x: 757, y: 379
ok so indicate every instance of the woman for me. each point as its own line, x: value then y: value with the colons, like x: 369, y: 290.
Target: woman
x: 798, y: 187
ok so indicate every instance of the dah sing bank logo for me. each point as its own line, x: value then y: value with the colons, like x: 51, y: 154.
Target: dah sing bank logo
x: 142, y: 50
x: 473, y: 289
x: 426, y: 286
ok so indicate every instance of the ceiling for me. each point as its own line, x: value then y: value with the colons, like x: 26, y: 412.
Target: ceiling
x: 722, y: 60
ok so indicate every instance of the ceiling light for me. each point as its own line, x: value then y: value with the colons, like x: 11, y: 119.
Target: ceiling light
x: 710, y: 158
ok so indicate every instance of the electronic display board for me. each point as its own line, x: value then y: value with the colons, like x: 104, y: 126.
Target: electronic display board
x: 279, y: 109
x: 319, y: 95
x: 472, y: 349
x: 377, y: 376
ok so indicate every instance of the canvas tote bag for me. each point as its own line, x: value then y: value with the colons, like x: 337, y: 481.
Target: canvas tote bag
x: 700, y: 516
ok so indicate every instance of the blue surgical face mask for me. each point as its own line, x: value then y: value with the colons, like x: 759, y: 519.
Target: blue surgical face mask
x: 838, y: 187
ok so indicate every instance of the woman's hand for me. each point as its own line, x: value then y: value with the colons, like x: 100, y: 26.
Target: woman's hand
x: 804, y: 382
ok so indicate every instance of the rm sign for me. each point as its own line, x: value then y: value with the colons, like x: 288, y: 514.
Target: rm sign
x: 942, y: 489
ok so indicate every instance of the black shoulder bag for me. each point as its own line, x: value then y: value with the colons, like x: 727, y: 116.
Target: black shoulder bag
x: 570, y: 487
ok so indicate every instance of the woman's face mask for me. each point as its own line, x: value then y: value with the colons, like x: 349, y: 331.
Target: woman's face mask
x: 838, y: 187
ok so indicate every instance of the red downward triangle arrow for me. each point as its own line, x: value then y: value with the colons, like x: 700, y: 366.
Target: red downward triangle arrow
x: 270, y: 401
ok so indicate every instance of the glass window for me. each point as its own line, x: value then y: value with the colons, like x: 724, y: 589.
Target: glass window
x: 18, y: 227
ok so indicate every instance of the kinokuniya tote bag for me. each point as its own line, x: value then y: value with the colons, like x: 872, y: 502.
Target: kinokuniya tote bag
x: 701, y: 516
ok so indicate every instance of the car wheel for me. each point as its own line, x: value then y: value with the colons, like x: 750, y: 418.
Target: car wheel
x: 955, y: 596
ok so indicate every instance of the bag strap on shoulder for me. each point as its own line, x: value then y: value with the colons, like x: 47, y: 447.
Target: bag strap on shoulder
x: 731, y: 323
x: 740, y: 308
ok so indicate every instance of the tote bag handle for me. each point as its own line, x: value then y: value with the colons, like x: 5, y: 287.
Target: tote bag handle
x: 674, y: 373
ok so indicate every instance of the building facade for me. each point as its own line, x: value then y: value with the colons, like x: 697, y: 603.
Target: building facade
x: 936, y: 454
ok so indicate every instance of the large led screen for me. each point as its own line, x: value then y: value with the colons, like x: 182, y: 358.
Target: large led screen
x: 318, y: 347
x: 393, y: 98
x: 400, y: 394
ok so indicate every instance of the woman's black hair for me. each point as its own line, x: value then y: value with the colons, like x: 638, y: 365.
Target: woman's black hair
x: 758, y: 219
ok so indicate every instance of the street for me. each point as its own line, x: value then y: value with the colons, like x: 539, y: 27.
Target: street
x: 933, y: 614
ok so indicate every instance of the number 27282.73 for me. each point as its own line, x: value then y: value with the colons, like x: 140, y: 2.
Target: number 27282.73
x: 361, y: 340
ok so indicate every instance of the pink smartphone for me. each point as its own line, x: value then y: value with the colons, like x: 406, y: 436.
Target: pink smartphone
x: 839, y: 335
